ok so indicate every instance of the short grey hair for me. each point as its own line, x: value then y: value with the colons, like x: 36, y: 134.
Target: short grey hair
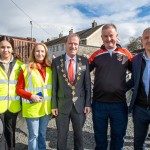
x: 72, y: 35
x: 107, y: 26
x: 145, y: 30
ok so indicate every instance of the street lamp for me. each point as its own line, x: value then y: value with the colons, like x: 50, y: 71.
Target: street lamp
x: 31, y: 30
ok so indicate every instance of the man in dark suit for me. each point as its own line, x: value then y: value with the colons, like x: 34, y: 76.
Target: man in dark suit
x: 140, y: 102
x: 71, y: 99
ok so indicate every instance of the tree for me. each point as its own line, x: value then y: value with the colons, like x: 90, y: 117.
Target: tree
x: 134, y: 44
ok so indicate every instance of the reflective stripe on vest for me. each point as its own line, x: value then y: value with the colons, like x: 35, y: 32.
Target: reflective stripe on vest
x: 45, y: 98
x: 9, y: 100
x: 34, y: 84
x: 8, y: 81
x: 38, y: 89
x: 12, y: 98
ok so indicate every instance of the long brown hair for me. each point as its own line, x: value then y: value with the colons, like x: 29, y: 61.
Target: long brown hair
x: 32, y: 61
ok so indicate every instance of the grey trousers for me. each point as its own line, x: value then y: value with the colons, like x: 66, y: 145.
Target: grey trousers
x: 62, y: 122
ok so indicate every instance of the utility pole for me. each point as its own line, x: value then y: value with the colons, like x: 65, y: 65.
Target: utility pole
x: 31, y: 30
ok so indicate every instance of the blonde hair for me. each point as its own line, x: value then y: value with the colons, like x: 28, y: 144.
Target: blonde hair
x: 32, y: 61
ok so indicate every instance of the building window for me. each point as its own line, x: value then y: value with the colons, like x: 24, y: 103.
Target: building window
x: 53, y: 49
x: 62, y: 47
x: 50, y: 49
x: 83, y: 42
x: 57, y: 48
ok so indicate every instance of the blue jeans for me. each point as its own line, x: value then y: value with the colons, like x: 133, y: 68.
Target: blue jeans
x: 141, y: 120
x: 117, y: 115
x: 37, y: 132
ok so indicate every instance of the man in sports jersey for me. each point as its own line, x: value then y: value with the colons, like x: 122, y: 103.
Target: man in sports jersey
x: 109, y: 101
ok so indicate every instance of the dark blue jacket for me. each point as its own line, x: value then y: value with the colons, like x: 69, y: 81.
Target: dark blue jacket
x: 135, y: 79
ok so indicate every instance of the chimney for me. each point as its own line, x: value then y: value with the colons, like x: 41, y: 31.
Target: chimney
x: 71, y: 31
x: 48, y: 40
x: 94, y: 24
x: 60, y: 35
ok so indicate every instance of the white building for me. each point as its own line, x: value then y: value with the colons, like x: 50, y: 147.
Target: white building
x: 90, y: 40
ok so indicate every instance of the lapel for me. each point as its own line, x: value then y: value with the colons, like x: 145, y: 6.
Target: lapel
x: 77, y: 69
x: 65, y: 68
x: 138, y: 66
x: 64, y: 65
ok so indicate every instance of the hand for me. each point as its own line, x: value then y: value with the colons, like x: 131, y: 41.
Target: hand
x: 87, y: 110
x: 36, y: 98
x: 55, y: 112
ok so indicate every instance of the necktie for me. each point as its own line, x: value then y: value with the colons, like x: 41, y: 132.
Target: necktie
x: 71, y: 71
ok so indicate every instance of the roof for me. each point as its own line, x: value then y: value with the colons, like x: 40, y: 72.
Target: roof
x: 82, y: 34
x: 20, y: 38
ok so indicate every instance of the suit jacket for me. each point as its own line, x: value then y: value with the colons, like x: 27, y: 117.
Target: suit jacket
x: 64, y: 95
x: 135, y: 79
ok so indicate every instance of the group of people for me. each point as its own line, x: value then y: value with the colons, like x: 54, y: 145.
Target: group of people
x: 26, y: 87
x: 43, y: 89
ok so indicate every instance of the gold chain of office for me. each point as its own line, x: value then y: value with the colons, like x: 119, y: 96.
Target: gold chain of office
x: 62, y: 63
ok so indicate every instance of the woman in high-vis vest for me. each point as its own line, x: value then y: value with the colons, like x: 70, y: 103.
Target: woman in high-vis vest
x: 10, y: 103
x: 35, y: 87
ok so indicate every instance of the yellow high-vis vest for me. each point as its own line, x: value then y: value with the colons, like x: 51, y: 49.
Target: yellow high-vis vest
x: 34, y: 84
x: 9, y: 100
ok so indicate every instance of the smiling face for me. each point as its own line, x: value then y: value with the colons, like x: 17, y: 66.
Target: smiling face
x: 5, y: 50
x: 109, y: 37
x: 146, y: 40
x: 39, y: 53
x: 72, y: 46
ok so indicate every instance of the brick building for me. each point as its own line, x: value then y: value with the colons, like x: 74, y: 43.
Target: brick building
x: 22, y: 47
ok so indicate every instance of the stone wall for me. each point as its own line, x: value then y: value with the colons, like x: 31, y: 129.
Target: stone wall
x: 87, y: 50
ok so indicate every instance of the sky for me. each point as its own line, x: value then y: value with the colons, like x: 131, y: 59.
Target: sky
x: 52, y: 17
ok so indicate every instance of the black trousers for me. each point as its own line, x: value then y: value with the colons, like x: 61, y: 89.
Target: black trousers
x: 3, y: 145
x: 9, y: 120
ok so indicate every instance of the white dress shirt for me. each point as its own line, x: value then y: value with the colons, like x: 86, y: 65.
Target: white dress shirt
x: 68, y: 62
